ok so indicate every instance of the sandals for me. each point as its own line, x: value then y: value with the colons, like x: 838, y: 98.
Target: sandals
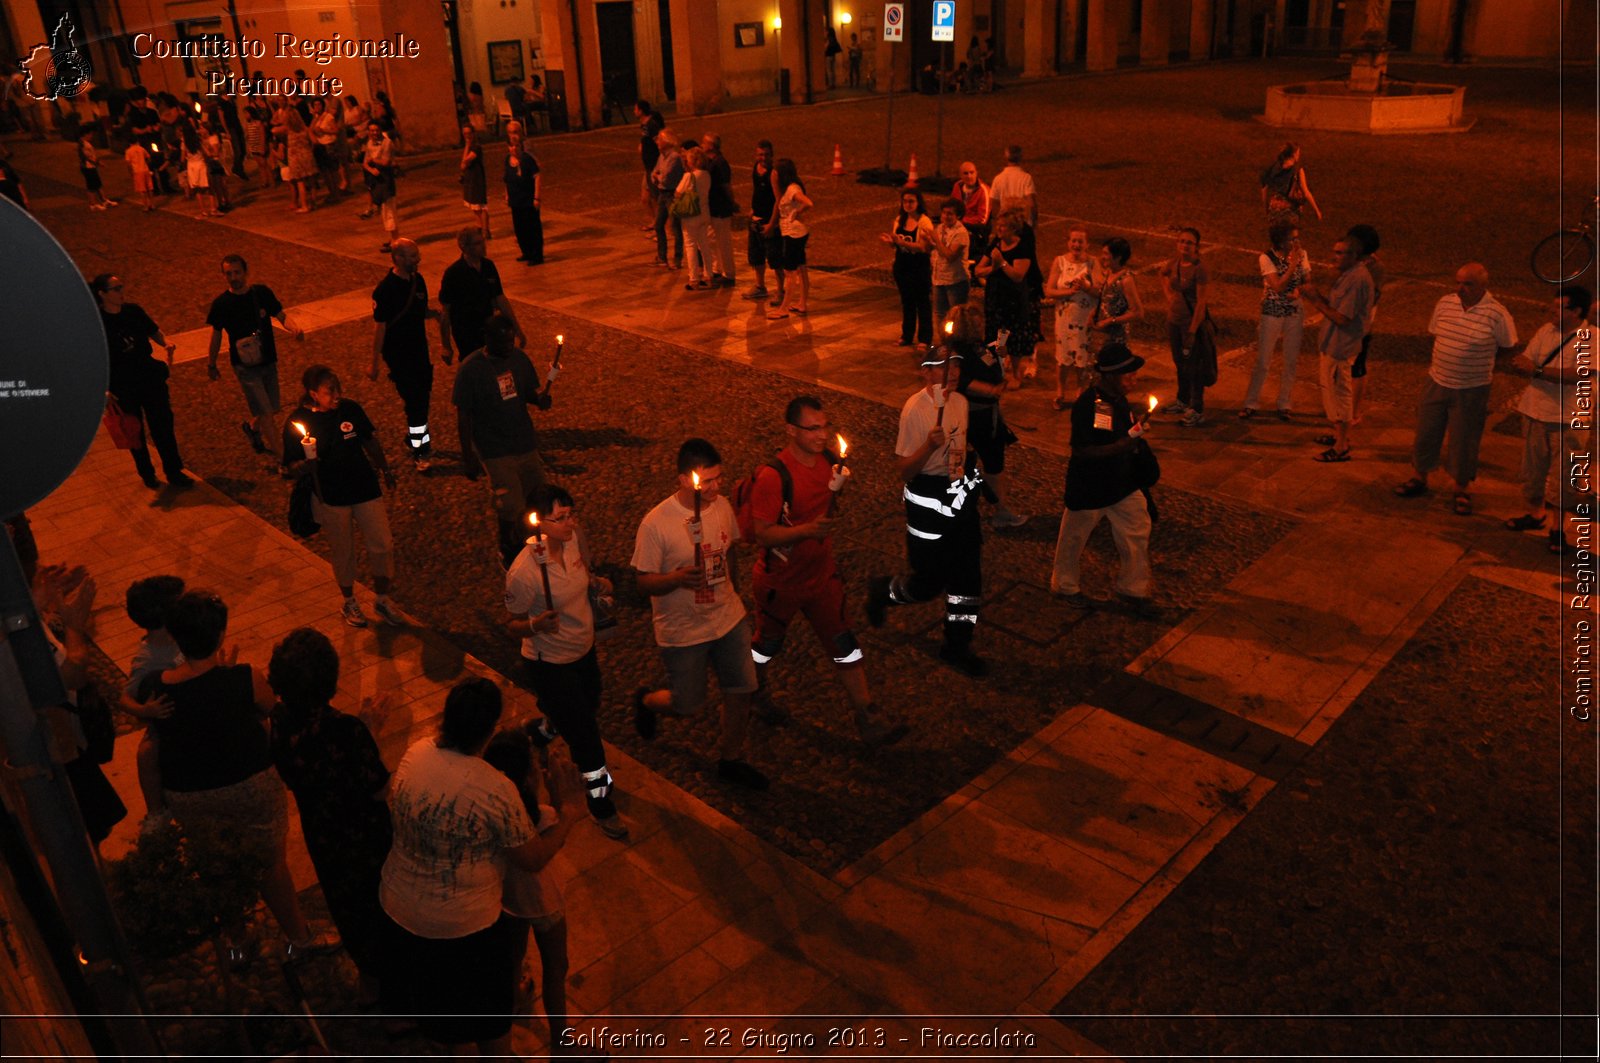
x: 1526, y: 522
x: 1331, y: 455
x: 1461, y: 504
x: 1412, y: 488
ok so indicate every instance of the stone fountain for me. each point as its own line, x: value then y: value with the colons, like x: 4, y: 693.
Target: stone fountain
x: 1368, y: 100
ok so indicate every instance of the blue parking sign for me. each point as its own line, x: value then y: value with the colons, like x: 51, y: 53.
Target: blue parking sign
x: 944, y: 20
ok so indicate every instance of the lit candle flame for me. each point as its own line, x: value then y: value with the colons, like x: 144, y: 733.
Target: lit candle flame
x: 533, y: 519
x: 695, y: 476
x: 560, y: 339
x: 844, y: 445
x: 1154, y: 402
x: 949, y: 328
x: 301, y: 429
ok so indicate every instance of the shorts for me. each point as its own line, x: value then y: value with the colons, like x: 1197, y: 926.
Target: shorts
x: 260, y: 386
x: 762, y: 250
x: 91, y: 178
x: 729, y: 655
x: 1336, y: 392
x: 794, y: 251
x: 143, y: 182
x: 1358, y: 368
x: 822, y: 602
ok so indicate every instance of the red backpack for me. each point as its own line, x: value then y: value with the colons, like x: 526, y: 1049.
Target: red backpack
x: 743, y: 495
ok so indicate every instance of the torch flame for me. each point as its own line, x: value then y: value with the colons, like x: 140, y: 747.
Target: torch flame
x: 949, y: 327
x: 560, y: 339
x: 1154, y: 402
x: 533, y: 519
x: 301, y: 429
x: 844, y: 445
x: 695, y: 476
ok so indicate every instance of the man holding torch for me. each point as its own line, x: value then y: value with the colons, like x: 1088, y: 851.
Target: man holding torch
x: 682, y: 558
x: 944, y: 539
x: 1103, y: 481
x: 792, y: 502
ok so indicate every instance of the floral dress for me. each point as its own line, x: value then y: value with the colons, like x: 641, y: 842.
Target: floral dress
x: 1114, y: 303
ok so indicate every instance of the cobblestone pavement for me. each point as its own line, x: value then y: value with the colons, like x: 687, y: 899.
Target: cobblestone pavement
x: 1043, y: 815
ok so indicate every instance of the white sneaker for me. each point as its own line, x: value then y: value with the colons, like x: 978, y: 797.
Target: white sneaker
x: 386, y: 612
x: 1007, y: 519
x: 353, y: 614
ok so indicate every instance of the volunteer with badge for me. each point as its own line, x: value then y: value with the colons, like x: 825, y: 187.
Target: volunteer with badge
x: 334, y: 437
x: 246, y: 312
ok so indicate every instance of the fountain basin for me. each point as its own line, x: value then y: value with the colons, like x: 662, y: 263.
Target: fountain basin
x: 1398, y: 107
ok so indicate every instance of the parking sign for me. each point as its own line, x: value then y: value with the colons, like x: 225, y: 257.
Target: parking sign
x: 894, y: 22
x: 944, y: 20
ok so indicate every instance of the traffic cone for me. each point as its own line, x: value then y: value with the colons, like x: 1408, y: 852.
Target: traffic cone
x: 838, y: 163
x: 911, y: 177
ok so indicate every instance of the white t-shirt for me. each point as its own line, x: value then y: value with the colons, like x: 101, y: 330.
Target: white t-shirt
x: 917, y: 418
x: 454, y: 816
x: 1544, y: 399
x: 686, y: 616
x: 1010, y: 186
x: 569, y: 585
x: 950, y: 269
x: 789, y: 223
x: 1080, y: 304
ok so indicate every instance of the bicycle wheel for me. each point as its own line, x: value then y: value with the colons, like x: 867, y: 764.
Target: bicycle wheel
x: 1563, y: 256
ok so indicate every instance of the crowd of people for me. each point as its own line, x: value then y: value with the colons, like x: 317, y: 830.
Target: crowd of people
x: 436, y: 873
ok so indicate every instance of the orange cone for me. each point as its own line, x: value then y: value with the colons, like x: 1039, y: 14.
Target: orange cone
x: 911, y: 177
x: 838, y: 163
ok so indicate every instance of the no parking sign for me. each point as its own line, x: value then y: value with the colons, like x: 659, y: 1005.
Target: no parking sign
x: 894, y: 22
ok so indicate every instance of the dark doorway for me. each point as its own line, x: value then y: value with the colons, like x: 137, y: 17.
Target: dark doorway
x: 619, y: 77
x: 669, y: 82
x: 1402, y: 23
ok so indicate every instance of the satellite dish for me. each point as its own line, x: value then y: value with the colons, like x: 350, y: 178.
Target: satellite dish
x: 53, y: 362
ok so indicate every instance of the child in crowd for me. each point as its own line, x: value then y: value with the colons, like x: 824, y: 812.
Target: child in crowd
x: 216, y: 174
x: 138, y: 159
x: 534, y: 897
x: 89, y: 166
x: 194, y: 161
x: 147, y: 603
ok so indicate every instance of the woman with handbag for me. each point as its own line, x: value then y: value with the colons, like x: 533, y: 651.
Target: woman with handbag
x: 558, y: 642
x: 1284, y: 189
x: 1184, y: 282
x: 344, y: 460
x: 522, y: 196
x: 138, y: 396
x: 690, y: 206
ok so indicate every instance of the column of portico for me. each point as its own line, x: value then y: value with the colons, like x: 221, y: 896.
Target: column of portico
x: 1040, y: 33
x: 697, y: 56
x: 1100, y: 51
x: 1202, y: 16
x: 1155, y: 32
x: 420, y: 87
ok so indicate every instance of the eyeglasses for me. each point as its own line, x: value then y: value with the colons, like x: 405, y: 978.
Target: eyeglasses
x: 553, y: 518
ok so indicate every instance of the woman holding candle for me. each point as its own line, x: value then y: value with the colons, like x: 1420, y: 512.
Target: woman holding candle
x: 334, y: 436
x: 547, y: 593
x: 1013, y: 286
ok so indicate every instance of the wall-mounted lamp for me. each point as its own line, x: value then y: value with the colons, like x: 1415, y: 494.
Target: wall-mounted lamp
x: 845, y: 18
x: 777, y: 22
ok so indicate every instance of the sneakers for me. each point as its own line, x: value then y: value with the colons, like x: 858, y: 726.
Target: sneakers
x: 1192, y: 419
x: 180, y: 479
x: 613, y: 827
x: 645, y: 719
x: 1004, y: 518
x: 697, y: 286
x: 386, y: 611
x: 1176, y: 408
x: 964, y: 660
x: 1079, y: 600
x: 250, y: 433
x: 316, y: 945
x: 741, y: 774
x: 722, y: 282
x: 758, y: 292
x: 422, y: 462
x: 353, y: 614
x: 878, y: 600
x: 151, y: 482
x: 877, y: 730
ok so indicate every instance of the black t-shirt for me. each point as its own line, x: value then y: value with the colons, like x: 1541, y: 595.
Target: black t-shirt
x: 1097, y: 482
x: 722, y: 204
x: 241, y: 315
x: 469, y: 294
x: 128, y: 336
x: 402, y: 305
x: 345, y: 476
x: 763, y: 200
x: 521, y: 189
x: 214, y: 737
x: 496, y: 393
x: 983, y: 366
x: 143, y: 120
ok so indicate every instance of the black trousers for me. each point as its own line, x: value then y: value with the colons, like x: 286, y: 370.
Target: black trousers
x: 153, y: 403
x: 569, y: 697
x: 414, y: 381
x: 944, y: 546
x: 529, y: 228
x: 913, y: 275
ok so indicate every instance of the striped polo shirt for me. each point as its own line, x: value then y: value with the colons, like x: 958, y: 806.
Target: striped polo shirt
x: 1466, y: 339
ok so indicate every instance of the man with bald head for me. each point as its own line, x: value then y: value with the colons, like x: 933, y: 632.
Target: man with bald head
x: 400, y: 341
x: 470, y: 293
x: 1470, y: 329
